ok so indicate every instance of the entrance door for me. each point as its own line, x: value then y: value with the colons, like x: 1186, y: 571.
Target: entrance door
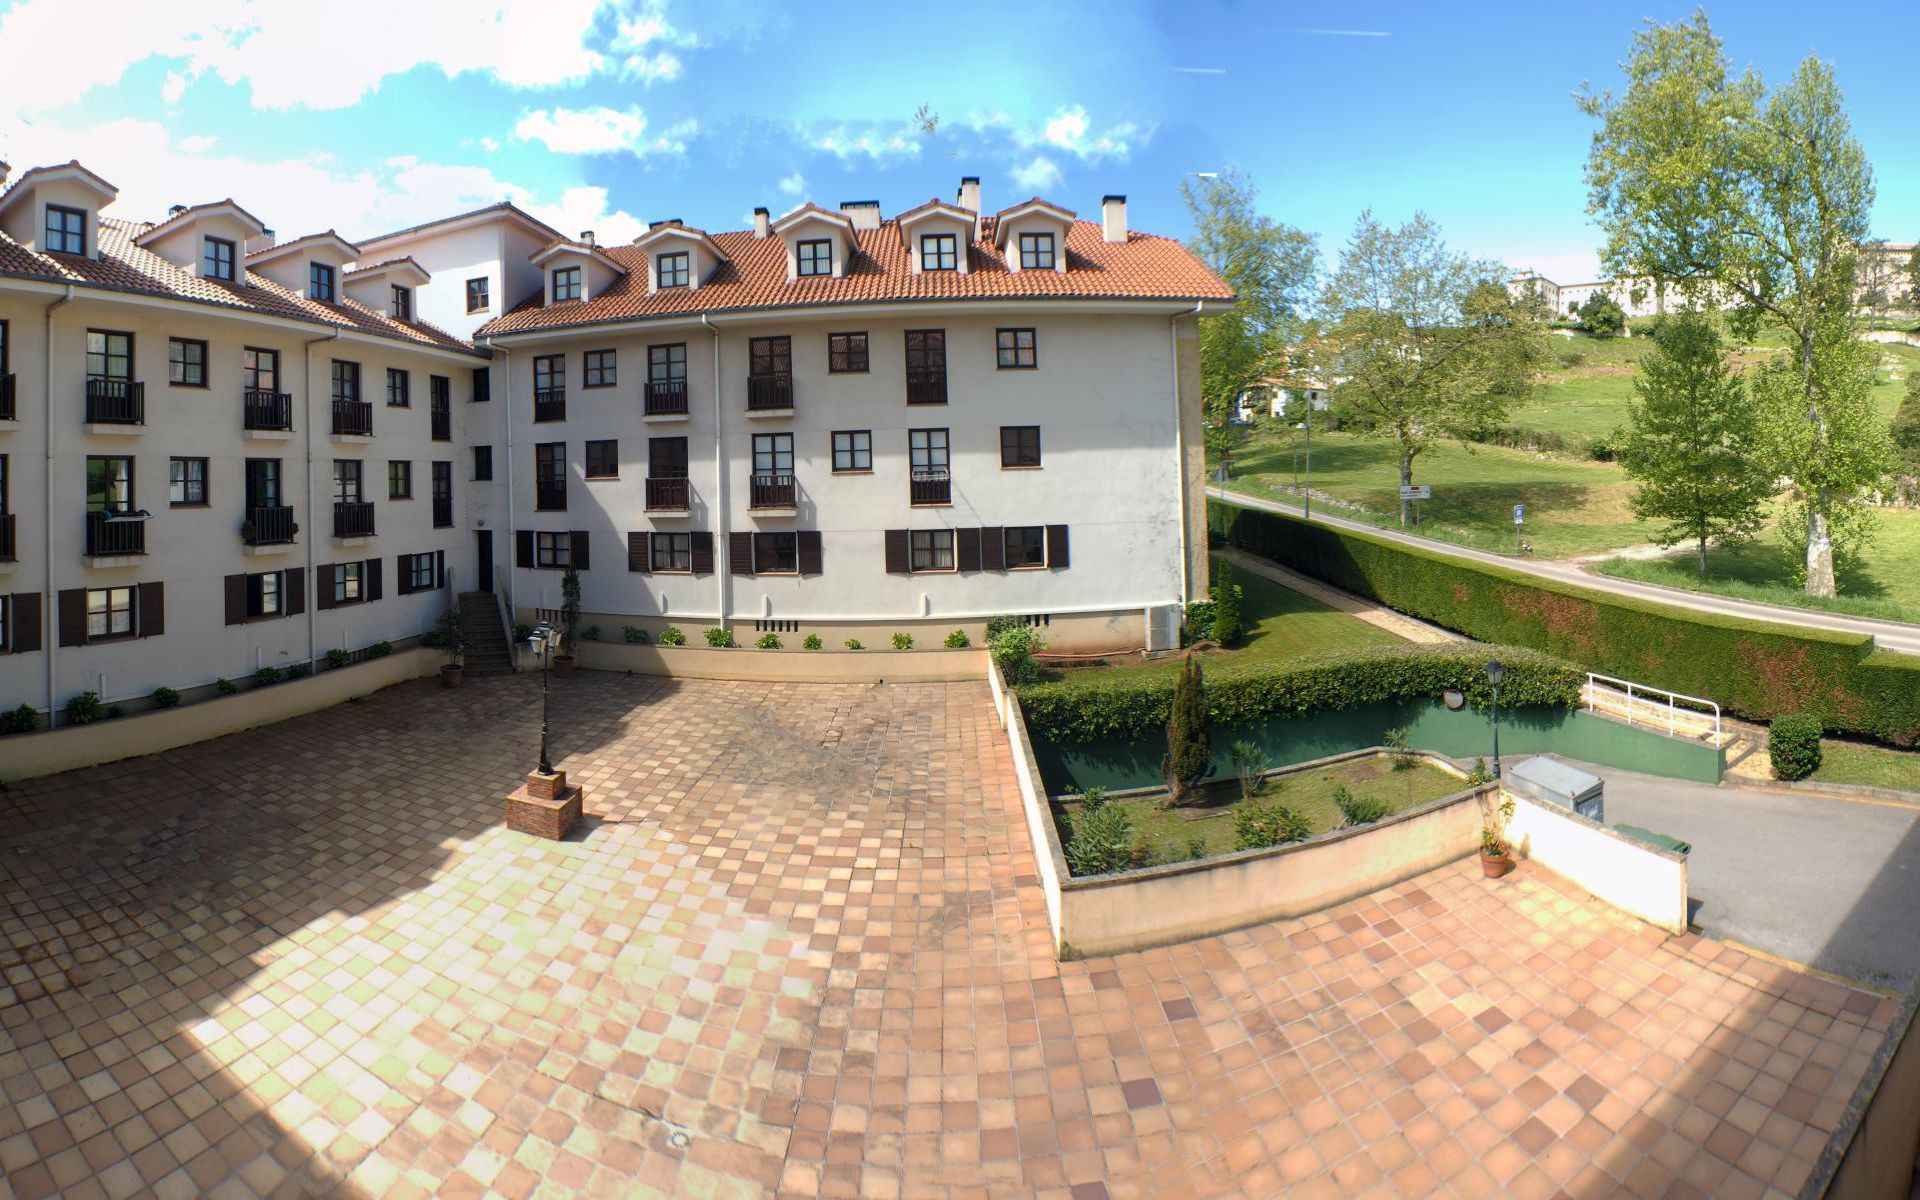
x: 484, y: 558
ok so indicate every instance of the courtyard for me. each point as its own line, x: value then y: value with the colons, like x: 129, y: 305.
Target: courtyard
x: 799, y: 948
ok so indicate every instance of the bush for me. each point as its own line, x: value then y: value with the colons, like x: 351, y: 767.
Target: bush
x: 1226, y: 606
x: 1093, y: 799
x: 1601, y: 317
x: 522, y: 631
x: 1257, y: 826
x: 1002, y: 623
x: 769, y: 641
x: 336, y: 658
x: 1398, y: 743
x: 85, y: 709
x: 1250, y: 763
x: 635, y: 635
x: 380, y: 649
x: 165, y: 697
x: 1605, y: 447
x: 1481, y: 773
x: 266, y: 676
x: 20, y: 720
x: 854, y: 644
x: 1793, y: 743
x: 1196, y: 848
x: 591, y: 633
x: 1100, y: 841
x: 299, y: 670
x: 1189, y: 748
x: 957, y: 640
x: 811, y: 642
x: 671, y: 636
x: 1358, y: 810
x: 1012, y: 651
x: 1756, y: 669
x: 719, y: 638
x: 1199, y: 622
x: 903, y: 641
x: 226, y: 687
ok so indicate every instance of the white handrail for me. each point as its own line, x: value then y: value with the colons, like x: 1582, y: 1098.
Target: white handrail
x: 506, y: 617
x: 1672, y: 698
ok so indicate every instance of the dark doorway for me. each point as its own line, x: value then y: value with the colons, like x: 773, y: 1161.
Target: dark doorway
x: 483, y: 559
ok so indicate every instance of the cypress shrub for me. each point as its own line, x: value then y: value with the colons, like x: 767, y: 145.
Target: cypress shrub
x: 1793, y: 743
x: 1226, y: 606
x: 1189, y: 749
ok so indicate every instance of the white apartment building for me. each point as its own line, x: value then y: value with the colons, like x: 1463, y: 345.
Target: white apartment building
x: 830, y: 423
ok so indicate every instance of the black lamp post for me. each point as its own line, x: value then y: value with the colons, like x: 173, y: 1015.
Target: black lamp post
x: 541, y: 639
x: 1495, y: 673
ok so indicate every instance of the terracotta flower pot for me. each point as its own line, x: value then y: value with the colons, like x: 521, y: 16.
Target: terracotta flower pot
x: 453, y: 675
x: 1493, y: 866
x: 563, y: 664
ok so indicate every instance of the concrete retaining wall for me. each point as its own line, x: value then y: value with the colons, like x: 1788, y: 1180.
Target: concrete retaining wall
x: 27, y: 755
x: 785, y: 666
x: 1635, y: 878
x: 1047, y: 853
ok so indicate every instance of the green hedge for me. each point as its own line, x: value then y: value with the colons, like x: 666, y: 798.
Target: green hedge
x: 1097, y: 705
x: 1759, y: 669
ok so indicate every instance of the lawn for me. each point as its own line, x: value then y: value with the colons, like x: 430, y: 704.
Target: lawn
x: 1871, y: 766
x: 1169, y: 833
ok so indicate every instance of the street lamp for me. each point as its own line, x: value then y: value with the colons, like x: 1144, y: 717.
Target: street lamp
x: 1495, y: 673
x: 542, y: 640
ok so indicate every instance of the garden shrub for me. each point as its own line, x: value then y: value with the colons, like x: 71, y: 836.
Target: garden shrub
x: 671, y: 636
x: 719, y: 638
x: 1012, y: 651
x: 635, y: 635
x: 1227, y: 595
x: 1757, y: 669
x: 226, y: 687
x: 1000, y: 624
x: 85, y: 709
x: 299, y: 670
x: 1189, y: 748
x: 336, y: 658
x: 811, y: 642
x: 769, y: 641
x: 380, y: 649
x: 165, y: 697
x: 522, y: 631
x: 1100, y: 841
x: 1358, y: 810
x: 1250, y: 763
x: 957, y: 640
x: 903, y: 641
x: 1793, y: 743
x: 20, y: 720
x: 854, y: 644
x: 1199, y: 620
x: 1257, y: 826
x: 265, y: 676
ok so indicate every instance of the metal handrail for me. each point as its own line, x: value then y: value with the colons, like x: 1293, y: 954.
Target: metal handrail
x: 1672, y: 698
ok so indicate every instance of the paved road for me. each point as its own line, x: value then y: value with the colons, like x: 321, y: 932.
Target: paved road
x: 1832, y: 883
x: 1891, y: 635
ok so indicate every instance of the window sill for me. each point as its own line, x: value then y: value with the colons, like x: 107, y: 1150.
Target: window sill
x: 1033, y: 467
x: 108, y: 638
x: 597, y: 387
x: 855, y: 471
x: 599, y: 478
x: 179, y: 383
x: 188, y: 504
x: 851, y: 371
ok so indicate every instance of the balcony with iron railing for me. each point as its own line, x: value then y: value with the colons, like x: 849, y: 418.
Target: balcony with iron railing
x: 269, y: 525
x: 669, y: 493
x: 353, y: 418
x: 7, y: 410
x: 931, y: 485
x: 352, y: 518
x: 666, y: 398
x: 769, y: 490
x: 441, y: 420
x: 550, y: 495
x: 266, y: 411
x: 8, y: 550
x: 550, y: 404
x: 108, y: 538
x: 926, y: 387
x: 770, y: 393
x: 116, y: 402
x: 443, y: 512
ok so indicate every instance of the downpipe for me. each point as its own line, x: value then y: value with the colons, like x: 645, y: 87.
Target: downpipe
x: 313, y: 512
x: 49, y: 641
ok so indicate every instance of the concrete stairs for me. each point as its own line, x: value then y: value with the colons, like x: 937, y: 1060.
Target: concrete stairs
x: 487, y: 649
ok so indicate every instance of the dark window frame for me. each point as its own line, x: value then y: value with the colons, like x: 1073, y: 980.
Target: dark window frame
x: 845, y: 356
x: 251, y: 372
x: 106, y: 354
x: 126, y: 503
x: 1008, y: 351
x: 404, y: 392
x: 769, y: 353
x: 673, y: 269
x: 344, y: 371
x: 679, y: 549
x: 778, y: 544
x: 775, y: 450
x: 552, y: 550
x: 483, y: 464
x: 1039, y: 534
x: 1014, y: 452
x: 399, y: 479
x: 667, y: 457
x: 566, y: 284
x: 349, y: 481
x: 605, y: 446
x: 1031, y: 246
x: 943, y: 249
x: 355, y: 571
x: 930, y: 540
x: 178, y: 361
x: 131, y: 609
x: 600, y: 365
x: 186, y: 481
x: 921, y: 457
x: 853, y: 451
x: 479, y: 289
x: 218, y: 257
x: 412, y: 580
x: 808, y: 260
x: 661, y: 362
x: 58, y: 235
x: 400, y: 302
x: 323, y: 283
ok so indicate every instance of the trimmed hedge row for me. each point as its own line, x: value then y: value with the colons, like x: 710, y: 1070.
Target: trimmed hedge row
x: 1069, y: 711
x: 1758, y: 669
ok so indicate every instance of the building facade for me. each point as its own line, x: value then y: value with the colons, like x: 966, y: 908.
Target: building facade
x: 222, y: 452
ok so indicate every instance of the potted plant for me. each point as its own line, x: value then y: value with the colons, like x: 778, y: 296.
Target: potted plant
x: 569, y: 619
x: 1496, y: 852
x: 454, y: 641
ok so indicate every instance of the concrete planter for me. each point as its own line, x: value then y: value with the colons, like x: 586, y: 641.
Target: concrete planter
x: 786, y: 666
x: 453, y: 675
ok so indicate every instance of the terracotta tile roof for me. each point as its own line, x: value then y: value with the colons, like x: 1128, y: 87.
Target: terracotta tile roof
x: 124, y: 267
x: 1144, y: 267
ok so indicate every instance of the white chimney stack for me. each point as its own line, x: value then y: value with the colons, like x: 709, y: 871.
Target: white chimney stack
x: 969, y: 195
x: 760, y: 220
x: 586, y: 236
x: 1113, y: 218
x: 865, y: 214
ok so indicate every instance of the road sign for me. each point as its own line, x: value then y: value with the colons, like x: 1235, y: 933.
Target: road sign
x: 1519, y: 513
x: 1416, y: 491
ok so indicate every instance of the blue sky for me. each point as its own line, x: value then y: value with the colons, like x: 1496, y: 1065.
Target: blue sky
x: 369, y: 115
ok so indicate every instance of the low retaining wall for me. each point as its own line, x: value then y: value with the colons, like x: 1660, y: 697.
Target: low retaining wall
x: 1633, y: 877
x: 1870, y: 1156
x: 27, y: 755
x: 785, y: 666
x: 1050, y: 859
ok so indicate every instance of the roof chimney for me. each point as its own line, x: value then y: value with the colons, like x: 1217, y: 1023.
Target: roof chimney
x: 175, y: 211
x: 864, y: 213
x: 760, y: 219
x: 1113, y: 218
x: 5, y: 170
x: 586, y: 236
x: 968, y: 196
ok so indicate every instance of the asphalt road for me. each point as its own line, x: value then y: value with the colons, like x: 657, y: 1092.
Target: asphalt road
x: 1891, y: 635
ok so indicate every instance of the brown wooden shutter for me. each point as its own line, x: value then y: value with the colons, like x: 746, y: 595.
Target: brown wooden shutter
x: 153, y: 609
x: 523, y: 547
x: 402, y: 575
x: 1057, y: 546
x: 23, y: 623
x: 580, y: 562
x: 639, y: 553
x: 73, y: 617
x: 806, y: 543
x: 740, y: 553
x: 897, y: 560
x: 993, y: 548
x: 700, y: 560
x: 236, y: 599
x: 966, y: 549
x: 323, y: 579
x: 440, y: 566
x: 372, y: 569
x: 293, y: 592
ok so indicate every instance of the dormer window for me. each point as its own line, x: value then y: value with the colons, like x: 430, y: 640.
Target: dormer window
x: 815, y: 257
x: 216, y: 259
x: 939, y: 252
x: 1036, y: 252
x: 672, y: 270
x: 66, y: 230
x: 566, y: 284
x: 320, y: 282
x: 401, y: 308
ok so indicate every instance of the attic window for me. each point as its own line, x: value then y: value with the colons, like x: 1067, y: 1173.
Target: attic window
x: 402, y: 307
x: 66, y: 230
x: 320, y: 282
x: 1036, y: 252
x: 216, y: 259
x: 671, y: 269
x: 939, y: 252
x: 566, y: 284
x: 815, y: 257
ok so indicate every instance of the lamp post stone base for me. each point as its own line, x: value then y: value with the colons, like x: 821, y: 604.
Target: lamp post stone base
x: 544, y: 806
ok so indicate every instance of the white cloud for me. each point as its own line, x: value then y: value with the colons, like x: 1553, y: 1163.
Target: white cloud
x: 173, y: 87
x: 198, y: 143
x: 663, y: 67
x: 1069, y: 129
x: 1039, y: 175
x: 882, y: 146
x: 794, y: 184
x: 600, y: 130
x: 490, y: 145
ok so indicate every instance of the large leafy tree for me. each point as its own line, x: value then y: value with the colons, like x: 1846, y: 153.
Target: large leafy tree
x: 1424, y: 343
x: 1694, y: 442
x: 1755, y: 200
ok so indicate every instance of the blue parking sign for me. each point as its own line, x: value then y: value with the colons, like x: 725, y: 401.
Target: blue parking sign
x: 1519, y: 513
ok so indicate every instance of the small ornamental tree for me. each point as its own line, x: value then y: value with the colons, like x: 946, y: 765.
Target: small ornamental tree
x: 1188, y: 746
x: 569, y: 604
x: 1601, y: 317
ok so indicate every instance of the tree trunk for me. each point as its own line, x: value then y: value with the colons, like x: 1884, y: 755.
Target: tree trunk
x: 1703, y: 556
x: 1819, y: 550
x: 1406, y: 481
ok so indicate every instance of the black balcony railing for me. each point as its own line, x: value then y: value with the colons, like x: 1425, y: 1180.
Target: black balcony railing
x: 667, y: 398
x: 931, y: 485
x: 266, y: 410
x: 442, y: 420
x: 550, y: 494
x: 668, y: 494
x: 7, y: 551
x: 772, y: 491
x: 268, y: 526
x: 6, y: 399
x: 443, y: 512
x: 353, y: 518
x: 105, y: 537
x: 353, y: 417
x: 926, y: 387
x: 769, y: 392
x: 550, y: 404
x: 116, y: 402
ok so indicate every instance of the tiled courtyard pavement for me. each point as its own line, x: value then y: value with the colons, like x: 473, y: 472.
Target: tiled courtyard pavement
x: 802, y: 951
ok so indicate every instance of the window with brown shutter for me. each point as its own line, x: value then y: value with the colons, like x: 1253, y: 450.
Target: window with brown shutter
x: 896, y: 543
x: 580, y: 562
x: 1057, y: 546
x: 372, y: 576
x: 323, y: 586
x: 702, y: 551
x: 966, y: 549
x: 993, y: 548
x: 73, y: 617
x: 523, y: 548
x: 236, y: 592
x: 296, y: 597
x: 809, y: 551
x: 638, y: 560
x: 153, y: 609
x: 23, y: 623
x: 740, y: 553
